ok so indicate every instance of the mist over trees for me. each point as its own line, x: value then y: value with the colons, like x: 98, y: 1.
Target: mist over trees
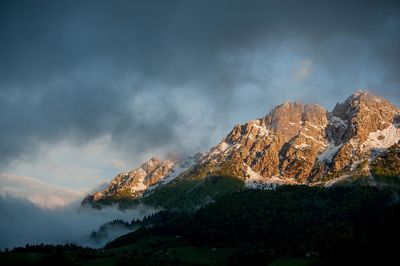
x: 23, y: 222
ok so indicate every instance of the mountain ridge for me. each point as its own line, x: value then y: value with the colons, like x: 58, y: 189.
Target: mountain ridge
x: 295, y: 143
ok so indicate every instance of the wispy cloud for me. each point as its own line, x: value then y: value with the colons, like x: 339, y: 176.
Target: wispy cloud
x: 38, y: 192
x: 304, y: 69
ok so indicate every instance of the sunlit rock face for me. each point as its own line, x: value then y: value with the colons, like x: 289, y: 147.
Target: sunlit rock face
x: 359, y: 128
x: 300, y: 143
x: 149, y: 176
x: 366, y: 116
x: 132, y: 184
x: 283, y: 144
x: 295, y: 143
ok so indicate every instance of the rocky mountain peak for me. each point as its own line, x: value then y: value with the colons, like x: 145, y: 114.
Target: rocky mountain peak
x: 150, y: 165
x: 276, y: 145
x: 301, y: 143
x: 148, y: 176
x: 295, y: 143
x: 361, y: 114
x: 287, y: 119
x: 133, y: 183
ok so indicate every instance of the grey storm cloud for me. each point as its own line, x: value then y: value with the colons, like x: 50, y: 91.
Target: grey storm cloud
x: 134, y: 69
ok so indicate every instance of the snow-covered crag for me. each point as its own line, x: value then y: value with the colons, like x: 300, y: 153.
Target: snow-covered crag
x: 132, y: 184
x: 359, y: 129
x: 148, y: 176
x: 300, y: 143
x: 295, y: 143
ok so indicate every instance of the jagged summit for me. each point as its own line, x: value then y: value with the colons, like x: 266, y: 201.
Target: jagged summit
x: 304, y: 143
x: 133, y: 183
x: 362, y: 94
x: 292, y: 114
x: 149, y: 175
x: 295, y: 143
x: 355, y: 126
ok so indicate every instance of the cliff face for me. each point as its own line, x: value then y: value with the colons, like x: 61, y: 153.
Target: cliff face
x: 283, y: 144
x: 132, y: 184
x: 359, y: 128
x: 295, y: 143
x: 364, y: 113
x: 305, y: 144
x: 149, y: 176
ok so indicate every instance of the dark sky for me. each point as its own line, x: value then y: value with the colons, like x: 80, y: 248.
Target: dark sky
x: 158, y: 76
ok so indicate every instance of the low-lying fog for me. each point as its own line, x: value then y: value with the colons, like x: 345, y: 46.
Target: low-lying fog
x: 22, y: 222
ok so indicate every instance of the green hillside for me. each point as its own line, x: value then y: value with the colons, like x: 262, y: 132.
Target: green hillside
x: 192, y: 193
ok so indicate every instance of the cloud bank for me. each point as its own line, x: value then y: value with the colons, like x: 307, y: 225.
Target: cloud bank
x: 38, y: 192
x: 24, y: 223
x: 164, y: 76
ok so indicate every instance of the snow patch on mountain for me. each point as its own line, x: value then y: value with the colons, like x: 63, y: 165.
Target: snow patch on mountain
x: 328, y: 154
x: 382, y: 139
x: 262, y: 131
x: 302, y: 146
x: 312, y: 138
x: 255, y: 181
x: 140, y: 186
x: 176, y: 170
x: 338, y: 122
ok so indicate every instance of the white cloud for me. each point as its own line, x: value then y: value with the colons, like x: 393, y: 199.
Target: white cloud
x: 304, y: 69
x: 77, y: 167
x: 118, y: 163
x: 38, y: 192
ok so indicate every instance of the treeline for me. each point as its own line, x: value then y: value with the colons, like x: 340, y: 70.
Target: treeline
x: 323, y: 226
x: 45, y: 248
x: 336, y: 225
x: 44, y: 254
x: 179, y: 194
x: 386, y: 167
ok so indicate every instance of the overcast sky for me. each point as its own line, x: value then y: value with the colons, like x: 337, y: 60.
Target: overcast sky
x: 91, y: 88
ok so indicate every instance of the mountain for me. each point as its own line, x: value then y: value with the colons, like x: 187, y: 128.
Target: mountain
x: 148, y: 176
x: 295, y: 143
x: 304, y: 144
